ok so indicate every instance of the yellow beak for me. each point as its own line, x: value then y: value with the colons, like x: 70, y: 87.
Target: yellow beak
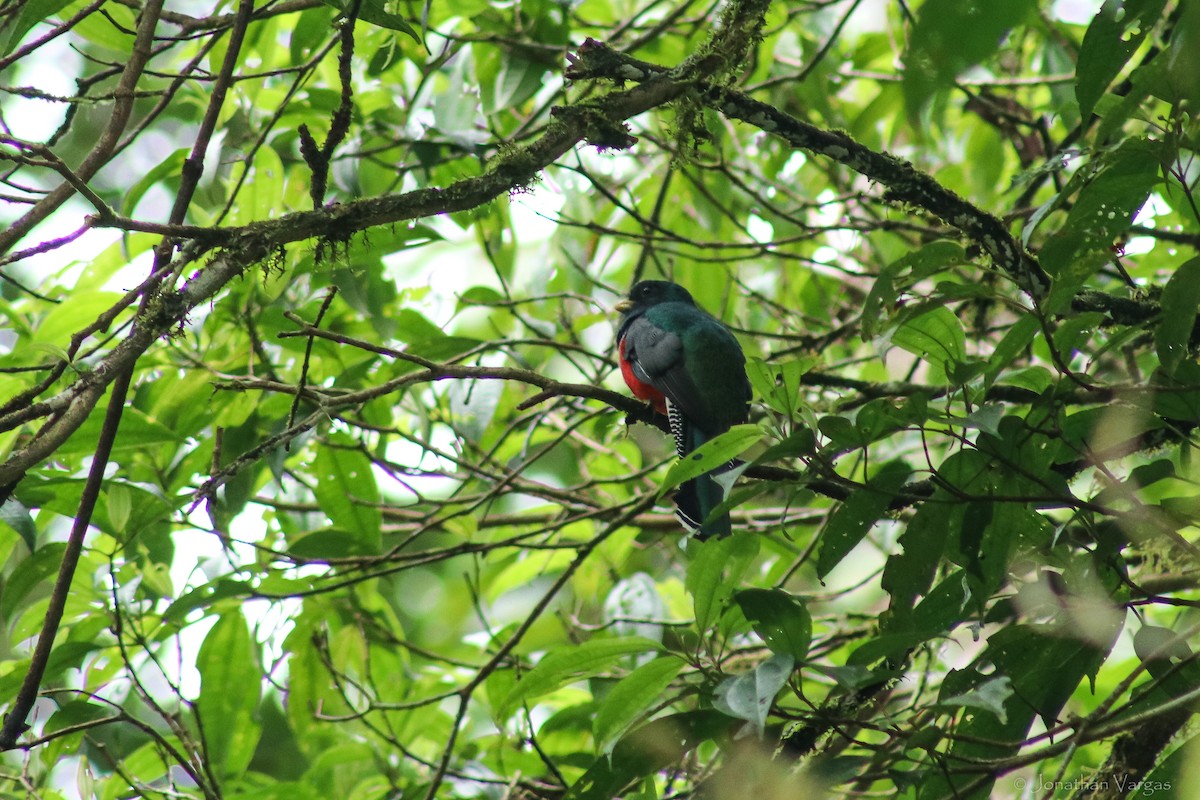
x: 624, y: 305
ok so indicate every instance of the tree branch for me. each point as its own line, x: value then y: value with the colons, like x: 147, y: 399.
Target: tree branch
x: 107, y: 143
x: 14, y: 721
x: 905, y: 183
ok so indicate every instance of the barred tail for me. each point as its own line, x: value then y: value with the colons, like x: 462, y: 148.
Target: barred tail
x: 695, y: 499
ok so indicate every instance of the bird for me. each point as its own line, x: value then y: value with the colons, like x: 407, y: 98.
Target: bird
x: 689, y: 367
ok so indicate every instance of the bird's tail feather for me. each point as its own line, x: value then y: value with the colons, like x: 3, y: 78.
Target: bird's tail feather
x: 695, y: 500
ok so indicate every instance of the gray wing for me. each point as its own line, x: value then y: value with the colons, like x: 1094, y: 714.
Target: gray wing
x: 657, y: 358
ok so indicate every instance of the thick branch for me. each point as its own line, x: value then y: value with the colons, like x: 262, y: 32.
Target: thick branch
x: 254, y: 243
x: 599, y: 124
x: 905, y: 183
x: 14, y: 721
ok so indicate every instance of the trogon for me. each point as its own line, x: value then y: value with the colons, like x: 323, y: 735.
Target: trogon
x: 688, y: 366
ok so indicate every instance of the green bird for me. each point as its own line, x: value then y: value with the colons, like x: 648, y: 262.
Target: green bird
x: 688, y: 366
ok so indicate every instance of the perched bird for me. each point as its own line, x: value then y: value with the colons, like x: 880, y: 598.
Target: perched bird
x: 688, y: 366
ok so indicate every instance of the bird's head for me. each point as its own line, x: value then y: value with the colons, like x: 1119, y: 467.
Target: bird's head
x: 650, y: 293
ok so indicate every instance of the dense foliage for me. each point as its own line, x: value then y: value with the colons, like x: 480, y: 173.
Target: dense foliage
x: 318, y: 479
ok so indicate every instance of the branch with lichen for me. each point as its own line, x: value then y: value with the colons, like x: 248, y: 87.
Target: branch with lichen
x: 904, y: 182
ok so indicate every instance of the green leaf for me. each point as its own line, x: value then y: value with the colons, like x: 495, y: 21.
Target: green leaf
x: 1169, y: 659
x: 328, y: 543
x: 1178, y: 395
x: 854, y: 517
x: 1034, y: 379
x: 1155, y: 471
x: 1175, y: 772
x: 716, y: 565
x: 631, y: 698
x: 441, y: 349
x: 55, y: 328
x: 569, y: 664
x: 649, y: 749
x: 457, y: 114
x: 949, y: 36
x: 120, y: 506
x: 780, y: 619
x: 985, y: 418
x: 171, y: 166
x: 516, y: 80
x: 31, y: 13
x: 988, y: 696
x: 851, y: 677
x: 413, y: 327
x: 897, y: 276
x: 473, y: 405
x: 1044, y: 666
x: 259, y: 198
x: 1105, y: 206
x: 480, y: 296
x: 65, y: 656
x: 1015, y: 342
x: 1147, y: 80
x: 61, y: 495
x: 77, y: 712
x: 1102, y: 212
x: 376, y: 13
x: 1181, y: 85
x: 1180, y: 300
x: 1115, y: 33
x: 27, y: 575
x: 886, y: 647
x: 936, y: 336
x: 778, y: 384
x: 884, y: 416
x: 204, y: 596
x: 137, y: 431
x: 751, y: 696
x: 1153, y: 643
x: 719, y: 450
x: 910, y: 573
x: 984, y: 542
x: 385, y: 57
x: 942, y: 608
x: 371, y: 293
x: 230, y: 686
x: 310, y: 30
x: 800, y: 442
x: 16, y: 516
x: 347, y: 492
x: 842, y: 432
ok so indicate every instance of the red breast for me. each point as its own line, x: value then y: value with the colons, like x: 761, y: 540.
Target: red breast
x: 642, y: 391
